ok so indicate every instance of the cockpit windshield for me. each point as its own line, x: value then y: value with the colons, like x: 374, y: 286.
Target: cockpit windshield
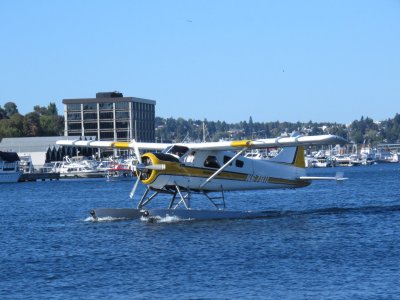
x: 176, y: 150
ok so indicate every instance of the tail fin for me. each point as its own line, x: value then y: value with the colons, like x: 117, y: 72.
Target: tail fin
x: 291, y: 155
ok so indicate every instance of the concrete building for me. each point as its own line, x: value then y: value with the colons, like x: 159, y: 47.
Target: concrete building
x: 110, y: 116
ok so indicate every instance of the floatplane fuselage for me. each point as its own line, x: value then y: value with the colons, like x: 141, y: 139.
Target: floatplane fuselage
x: 183, y: 169
x: 192, y: 170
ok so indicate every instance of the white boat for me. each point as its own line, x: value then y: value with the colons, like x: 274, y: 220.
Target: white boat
x: 77, y: 168
x: 319, y: 162
x: 256, y: 154
x: 9, y: 167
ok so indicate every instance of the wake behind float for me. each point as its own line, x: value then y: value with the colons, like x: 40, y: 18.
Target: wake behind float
x: 182, y: 214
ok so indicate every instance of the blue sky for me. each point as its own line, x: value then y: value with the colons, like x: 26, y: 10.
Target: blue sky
x: 217, y: 60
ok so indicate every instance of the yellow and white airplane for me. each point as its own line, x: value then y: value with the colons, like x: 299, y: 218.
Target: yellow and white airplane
x: 183, y: 169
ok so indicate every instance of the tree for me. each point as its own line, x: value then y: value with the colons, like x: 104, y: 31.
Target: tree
x: 52, y: 109
x: 10, y: 109
x: 51, y: 125
x: 40, y: 110
x: 12, y: 127
x: 31, y: 125
x: 251, y: 129
x: 3, y: 114
x: 6, y: 129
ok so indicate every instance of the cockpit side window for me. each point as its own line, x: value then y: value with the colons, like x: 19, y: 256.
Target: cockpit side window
x: 211, y: 162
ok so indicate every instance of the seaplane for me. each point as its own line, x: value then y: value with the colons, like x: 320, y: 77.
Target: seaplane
x: 180, y: 170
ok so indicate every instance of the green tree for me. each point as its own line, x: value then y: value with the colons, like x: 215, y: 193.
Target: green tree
x: 6, y: 129
x: 3, y: 114
x: 31, y: 125
x: 40, y: 110
x: 10, y: 109
x: 51, y: 125
x: 12, y: 127
x: 52, y: 109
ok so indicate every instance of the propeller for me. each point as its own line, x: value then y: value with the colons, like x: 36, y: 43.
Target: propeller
x: 139, y: 159
x: 141, y: 167
x: 132, y: 194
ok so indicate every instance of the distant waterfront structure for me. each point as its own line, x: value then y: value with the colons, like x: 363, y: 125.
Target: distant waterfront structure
x: 41, y: 150
x: 110, y: 117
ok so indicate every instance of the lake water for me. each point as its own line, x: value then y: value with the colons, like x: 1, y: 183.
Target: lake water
x: 328, y: 241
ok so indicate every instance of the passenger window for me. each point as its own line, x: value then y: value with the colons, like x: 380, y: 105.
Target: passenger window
x: 211, y: 162
x: 239, y: 163
x: 226, y: 159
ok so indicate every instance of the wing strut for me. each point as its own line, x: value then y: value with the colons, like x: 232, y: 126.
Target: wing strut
x: 222, y: 168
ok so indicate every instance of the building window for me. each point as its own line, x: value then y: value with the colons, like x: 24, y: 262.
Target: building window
x: 121, y: 105
x: 74, y: 126
x: 73, y: 107
x: 106, y: 106
x: 122, y: 134
x: 89, y: 106
x: 90, y: 116
x: 91, y: 132
x: 122, y: 115
x: 106, y: 125
x: 106, y: 116
x: 74, y: 116
x: 106, y: 135
x: 91, y: 125
x: 122, y: 124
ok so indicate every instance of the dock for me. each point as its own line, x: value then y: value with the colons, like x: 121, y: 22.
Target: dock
x: 39, y: 177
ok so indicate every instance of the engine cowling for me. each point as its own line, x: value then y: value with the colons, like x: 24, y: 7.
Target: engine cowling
x: 152, y: 165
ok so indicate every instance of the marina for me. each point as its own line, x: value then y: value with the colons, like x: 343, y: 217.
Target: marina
x: 122, y: 168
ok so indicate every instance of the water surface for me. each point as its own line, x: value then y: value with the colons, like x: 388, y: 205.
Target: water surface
x: 325, y: 241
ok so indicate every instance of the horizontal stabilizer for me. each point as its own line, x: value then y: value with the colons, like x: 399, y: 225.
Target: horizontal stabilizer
x: 338, y: 177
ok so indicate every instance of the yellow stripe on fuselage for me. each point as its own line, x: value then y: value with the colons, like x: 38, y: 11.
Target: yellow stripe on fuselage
x: 175, y: 169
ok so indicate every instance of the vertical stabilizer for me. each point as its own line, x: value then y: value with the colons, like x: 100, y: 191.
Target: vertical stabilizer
x: 291, y: 155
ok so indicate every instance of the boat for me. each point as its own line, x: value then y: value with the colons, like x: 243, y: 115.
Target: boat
x: 120, y: 172
x: 77, y: 167
x: 257, y: 154
x: 9, y: 167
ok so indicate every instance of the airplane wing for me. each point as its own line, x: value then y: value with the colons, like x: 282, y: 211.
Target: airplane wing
x: 268, y: 143
x: 112, y: 144
x: 225, y: 145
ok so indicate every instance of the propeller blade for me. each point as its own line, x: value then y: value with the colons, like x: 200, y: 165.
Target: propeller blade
x: 132, y: 194
x: 137, y: 153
